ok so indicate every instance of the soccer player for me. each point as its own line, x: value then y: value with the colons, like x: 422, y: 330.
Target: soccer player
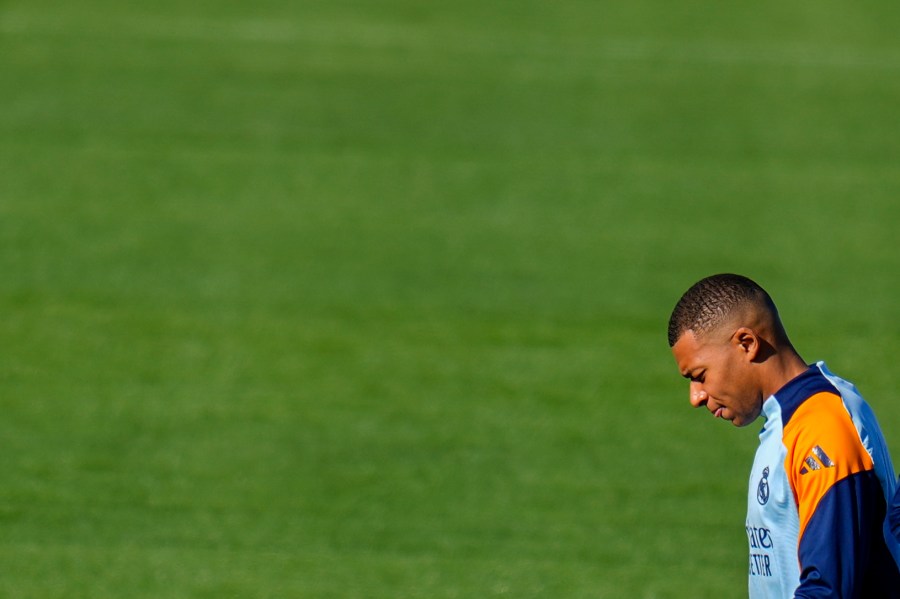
x: 822, y: 479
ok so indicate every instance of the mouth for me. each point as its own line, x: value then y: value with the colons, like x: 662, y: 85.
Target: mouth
x: 718, y: 412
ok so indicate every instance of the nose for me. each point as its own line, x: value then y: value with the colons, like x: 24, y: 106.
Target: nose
x: 699, y: 397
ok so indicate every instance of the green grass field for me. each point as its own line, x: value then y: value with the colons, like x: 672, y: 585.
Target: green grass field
x: 367, y: 299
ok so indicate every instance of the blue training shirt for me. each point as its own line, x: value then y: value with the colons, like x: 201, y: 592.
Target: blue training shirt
x: 820, y: 487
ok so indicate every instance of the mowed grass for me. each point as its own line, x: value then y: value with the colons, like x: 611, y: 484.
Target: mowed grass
x: 368, y: 299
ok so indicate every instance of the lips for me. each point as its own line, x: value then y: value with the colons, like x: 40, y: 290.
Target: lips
x: 718, y: 412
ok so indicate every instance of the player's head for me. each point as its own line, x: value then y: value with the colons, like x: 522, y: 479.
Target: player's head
x: 723, y: 332
x: 717, y: 300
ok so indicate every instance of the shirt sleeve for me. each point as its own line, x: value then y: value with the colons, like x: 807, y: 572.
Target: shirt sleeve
x: 894, y: 517
x: 835, y: 550
x: 838, y: 498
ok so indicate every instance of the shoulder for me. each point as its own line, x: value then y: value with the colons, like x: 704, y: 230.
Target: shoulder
x: 824, y: 451
x: 821, y: 434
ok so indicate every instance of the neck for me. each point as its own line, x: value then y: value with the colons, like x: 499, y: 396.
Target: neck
x: 783, y: 366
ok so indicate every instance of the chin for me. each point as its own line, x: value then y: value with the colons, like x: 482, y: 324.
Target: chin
x: 741, y: 422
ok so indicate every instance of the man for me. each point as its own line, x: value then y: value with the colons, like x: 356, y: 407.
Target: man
x: 822, y: 477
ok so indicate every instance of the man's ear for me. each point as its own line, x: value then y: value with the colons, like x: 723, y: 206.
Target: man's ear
x: 747, y: 342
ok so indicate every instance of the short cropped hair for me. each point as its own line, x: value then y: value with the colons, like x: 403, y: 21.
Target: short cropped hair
x: 710, y: 301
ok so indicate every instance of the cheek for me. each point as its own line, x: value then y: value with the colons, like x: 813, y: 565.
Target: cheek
x: 723, y: 389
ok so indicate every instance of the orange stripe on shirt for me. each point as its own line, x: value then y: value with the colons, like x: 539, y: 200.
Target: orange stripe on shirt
x: 823, y: 448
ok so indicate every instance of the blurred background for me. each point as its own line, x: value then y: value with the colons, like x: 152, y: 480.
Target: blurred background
x: 368, y: 298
